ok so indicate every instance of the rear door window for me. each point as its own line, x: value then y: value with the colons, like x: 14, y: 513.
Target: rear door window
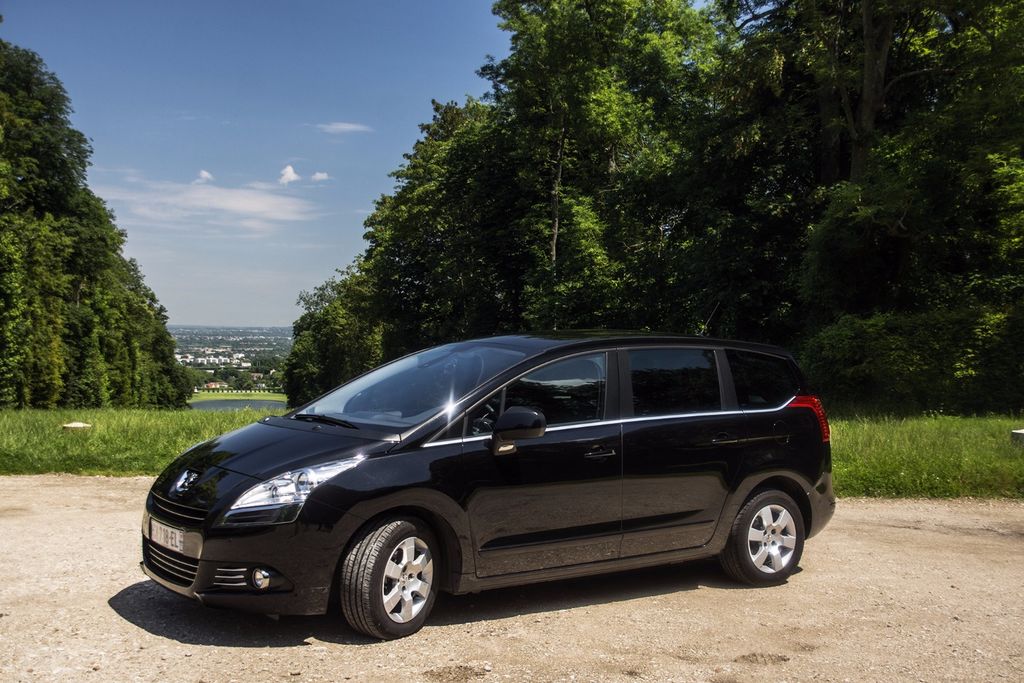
x: 674, y: 381
x: 762, y: 381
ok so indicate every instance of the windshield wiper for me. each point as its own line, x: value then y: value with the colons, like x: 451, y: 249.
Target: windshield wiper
x: 326, y: 419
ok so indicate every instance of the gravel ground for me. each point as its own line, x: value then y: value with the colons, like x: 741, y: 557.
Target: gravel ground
x: 891, y: 590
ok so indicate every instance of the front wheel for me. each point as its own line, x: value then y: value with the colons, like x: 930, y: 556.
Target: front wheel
x: 766, y: 541
x: 388, y: 579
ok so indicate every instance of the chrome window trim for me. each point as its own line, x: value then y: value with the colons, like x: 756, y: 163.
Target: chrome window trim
x: 452, y: 442
x: 601, y: 423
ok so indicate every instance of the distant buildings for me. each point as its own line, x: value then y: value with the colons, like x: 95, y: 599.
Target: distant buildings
x: 213, y: 357
x: 231, y: 354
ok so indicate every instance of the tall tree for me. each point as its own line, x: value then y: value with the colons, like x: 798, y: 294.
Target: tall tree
x: 805, y: 172
x: 72, y: 309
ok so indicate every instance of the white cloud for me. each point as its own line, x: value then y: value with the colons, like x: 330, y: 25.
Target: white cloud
x: 319, y: 177
x: 125, y: 173
x: 262, y: 185
x: 202, y: 209
x: 341, y: 127
x: 288, y: 175
x: 204, y: 177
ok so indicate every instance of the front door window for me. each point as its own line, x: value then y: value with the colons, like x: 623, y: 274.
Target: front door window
x: 568, y: 391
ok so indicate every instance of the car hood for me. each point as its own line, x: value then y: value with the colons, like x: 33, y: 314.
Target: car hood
x: 272, y: 446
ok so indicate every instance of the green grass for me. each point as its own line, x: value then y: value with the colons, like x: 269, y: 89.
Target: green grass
x: 878, y: 456
x: 245, y: 396
x: 935, y: 457
x: 120, y: 442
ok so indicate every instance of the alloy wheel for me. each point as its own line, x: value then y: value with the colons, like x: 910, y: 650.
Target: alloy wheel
x: 408, y: 576
x: 772, y: 538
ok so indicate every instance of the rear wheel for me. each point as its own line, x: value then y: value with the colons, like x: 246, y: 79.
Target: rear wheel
x: 766, y: 541
x: 388, y: 579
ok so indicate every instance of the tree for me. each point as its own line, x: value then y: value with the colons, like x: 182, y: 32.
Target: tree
x: 78, y: 327
x: 334, y: 339
x: 804, y: 172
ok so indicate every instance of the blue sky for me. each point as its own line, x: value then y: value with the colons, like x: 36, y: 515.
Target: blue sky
x: 241, y: 144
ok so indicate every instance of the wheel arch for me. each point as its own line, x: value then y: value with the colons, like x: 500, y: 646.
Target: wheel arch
x: 440, y: 513
x: 791, y: 488
x: 450, y: 550
x: 787, y: 481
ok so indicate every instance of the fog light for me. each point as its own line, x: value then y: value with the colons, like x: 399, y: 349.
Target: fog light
x: 261, y: 578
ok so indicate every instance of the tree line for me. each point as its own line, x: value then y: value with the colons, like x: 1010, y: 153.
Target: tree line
x: 843, y: 177
x: 78, y: 325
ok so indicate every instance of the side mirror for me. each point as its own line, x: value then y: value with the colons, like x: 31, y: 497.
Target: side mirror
x: 515, y: 423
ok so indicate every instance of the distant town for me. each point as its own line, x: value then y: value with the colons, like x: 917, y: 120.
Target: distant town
x: 232, y: 358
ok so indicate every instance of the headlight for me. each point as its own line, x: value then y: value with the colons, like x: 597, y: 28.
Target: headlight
x: 279, y: 500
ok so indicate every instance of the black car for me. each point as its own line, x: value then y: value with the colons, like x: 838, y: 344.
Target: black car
x: 497, y: 462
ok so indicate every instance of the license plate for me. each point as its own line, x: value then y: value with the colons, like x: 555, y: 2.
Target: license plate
x: 167, y: 536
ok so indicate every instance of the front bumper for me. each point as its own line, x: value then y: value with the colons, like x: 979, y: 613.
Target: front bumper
x: 216, y: 568
x: 288, y: 601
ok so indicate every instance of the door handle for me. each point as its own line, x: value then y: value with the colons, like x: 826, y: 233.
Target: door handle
x: 600, y: 454
x: 724, y: 439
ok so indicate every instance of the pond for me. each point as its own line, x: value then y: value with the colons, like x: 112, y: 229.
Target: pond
x: 238, y: 404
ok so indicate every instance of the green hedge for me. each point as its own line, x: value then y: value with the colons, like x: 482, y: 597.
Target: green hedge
x: 963, y: 361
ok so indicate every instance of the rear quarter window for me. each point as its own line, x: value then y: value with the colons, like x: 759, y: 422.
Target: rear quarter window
x: 762, y: 381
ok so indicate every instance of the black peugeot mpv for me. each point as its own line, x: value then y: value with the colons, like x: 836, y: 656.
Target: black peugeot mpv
x: 496, y: 462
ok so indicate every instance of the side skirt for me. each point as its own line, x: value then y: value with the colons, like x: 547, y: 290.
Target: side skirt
x: 468, y: 583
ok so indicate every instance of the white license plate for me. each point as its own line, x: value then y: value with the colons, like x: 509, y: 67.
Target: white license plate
x: 167, y: 536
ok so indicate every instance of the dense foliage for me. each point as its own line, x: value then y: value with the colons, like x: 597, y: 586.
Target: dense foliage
x: 844, y: 177
x: 78, y: 326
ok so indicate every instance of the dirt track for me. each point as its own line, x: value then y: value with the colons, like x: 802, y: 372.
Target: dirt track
x: 891, y: 590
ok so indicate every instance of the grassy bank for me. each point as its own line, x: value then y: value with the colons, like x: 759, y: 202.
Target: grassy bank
x: 924, y: 456
x: 119, y: 442
x: 927, y: 456
x: 233, y: 396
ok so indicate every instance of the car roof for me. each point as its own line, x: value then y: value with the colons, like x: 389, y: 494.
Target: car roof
x: 540, y: 342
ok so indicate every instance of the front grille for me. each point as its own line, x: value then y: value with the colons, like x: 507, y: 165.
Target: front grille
x: 230, y: 577
x: 176, y: 513
x: 175, y: 567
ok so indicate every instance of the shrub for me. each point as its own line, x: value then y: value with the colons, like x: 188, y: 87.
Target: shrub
x: 965, y: 361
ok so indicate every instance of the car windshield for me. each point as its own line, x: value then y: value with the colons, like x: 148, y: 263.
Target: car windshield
x: 417, y: 387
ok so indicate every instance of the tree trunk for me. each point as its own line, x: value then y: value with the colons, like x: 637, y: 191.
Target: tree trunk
x: 877, y: 41
x: 556, y: 193
x: 831, y: 127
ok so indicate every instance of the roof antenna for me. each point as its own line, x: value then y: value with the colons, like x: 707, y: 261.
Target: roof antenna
x: 703, y: 331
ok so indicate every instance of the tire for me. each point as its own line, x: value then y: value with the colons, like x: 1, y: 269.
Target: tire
x: 389, y: 579
x: 766, y: 540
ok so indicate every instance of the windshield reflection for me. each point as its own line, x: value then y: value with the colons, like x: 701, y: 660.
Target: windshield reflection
x: 417, y: 387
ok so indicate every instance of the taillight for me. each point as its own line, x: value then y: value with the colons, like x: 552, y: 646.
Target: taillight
x: 814, y: 403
